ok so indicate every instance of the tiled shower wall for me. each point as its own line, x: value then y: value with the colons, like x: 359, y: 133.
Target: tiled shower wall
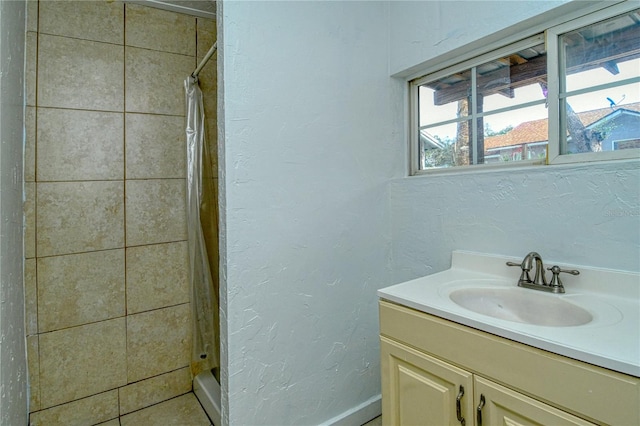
x: 106, y: 282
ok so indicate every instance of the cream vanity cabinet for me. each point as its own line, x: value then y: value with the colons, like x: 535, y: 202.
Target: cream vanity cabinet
x: 437, y: 372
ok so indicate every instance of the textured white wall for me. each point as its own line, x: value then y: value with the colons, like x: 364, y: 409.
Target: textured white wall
x: 316, y: 215
x: 585, y: 214
x: 423, y: 30
x: 13, y: 377
x: 309, y: 147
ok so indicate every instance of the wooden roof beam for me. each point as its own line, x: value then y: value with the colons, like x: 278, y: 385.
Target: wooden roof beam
x: 625, y: 45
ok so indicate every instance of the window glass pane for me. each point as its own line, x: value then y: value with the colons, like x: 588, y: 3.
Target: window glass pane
x: 600, y: 129
x: 519, y: 134
x: 606, y: 57
x: 589, y: 78
x: 601, y: 53
x: 439, y: 100
x: 504, y: 86
x: 514, y: 79
x: 445, y: 146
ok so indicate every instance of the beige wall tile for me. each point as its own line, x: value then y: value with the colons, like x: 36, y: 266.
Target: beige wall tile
x: 114, y: 422
x: 155, y: 146
x: 162, y: 30
x: 184, y: 410
x: 74, y: 217
x: 210, y: 103
x: 80, y: 288
x: 31, y: 67
x: 209, y: 86
x: 30, y: 145
x: 157, y: 276
x: 156, y: 211
x: 97, y: 20
x: 32, y: 15
x: 80, y: 74
x: 158, y: 341
x: 209, y: 89
x: 29, y: 208
x: 155, y: 81
x: 207, y: 35
x: 30, y: 297
x: 86, y: 411
x: 156, y: 389
x: 81, y: 361
x: 33, y: 366
x: 80, y: 145
x: 211, y: 129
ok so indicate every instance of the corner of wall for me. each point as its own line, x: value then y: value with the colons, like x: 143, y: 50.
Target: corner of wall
x: 13, y: 363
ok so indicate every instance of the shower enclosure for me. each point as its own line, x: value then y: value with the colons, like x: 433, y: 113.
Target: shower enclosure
x: 202, y: 224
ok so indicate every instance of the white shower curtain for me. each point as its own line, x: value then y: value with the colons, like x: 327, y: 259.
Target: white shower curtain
x: 200, y: 199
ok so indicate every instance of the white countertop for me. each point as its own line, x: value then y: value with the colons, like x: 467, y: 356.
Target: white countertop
x: 611, y: 340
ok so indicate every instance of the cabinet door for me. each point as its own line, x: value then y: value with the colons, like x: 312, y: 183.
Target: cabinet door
x: 497, y: 405
x: 419, y: 390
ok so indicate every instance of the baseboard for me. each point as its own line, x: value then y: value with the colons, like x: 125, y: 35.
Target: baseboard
x: 358, y: 415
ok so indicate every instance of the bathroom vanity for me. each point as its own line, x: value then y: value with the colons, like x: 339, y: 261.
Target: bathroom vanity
x: 446, y: 364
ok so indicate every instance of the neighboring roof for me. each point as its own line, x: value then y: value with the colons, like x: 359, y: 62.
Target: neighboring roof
x: 527, y: 132
x: 428, y: 141
x: 589, y: 122
x: 537, y: 130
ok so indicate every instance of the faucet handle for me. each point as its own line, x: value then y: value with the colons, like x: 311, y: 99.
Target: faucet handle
x: 524, y: 276
x: 555, y: 280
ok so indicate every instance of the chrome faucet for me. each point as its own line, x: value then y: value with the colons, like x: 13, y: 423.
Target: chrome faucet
x: 539, y: 276
x: 539, y: 281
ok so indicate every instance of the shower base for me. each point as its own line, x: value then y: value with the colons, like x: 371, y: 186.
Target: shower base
x: 207, y: 390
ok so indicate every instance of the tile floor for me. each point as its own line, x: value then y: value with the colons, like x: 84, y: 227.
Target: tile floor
x: 184, y: 410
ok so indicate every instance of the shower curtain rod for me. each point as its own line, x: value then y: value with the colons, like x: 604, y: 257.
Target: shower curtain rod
x: 205, y: 60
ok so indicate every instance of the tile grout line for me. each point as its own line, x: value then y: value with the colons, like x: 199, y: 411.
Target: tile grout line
x: 124, y: 201
x: 35, y: 201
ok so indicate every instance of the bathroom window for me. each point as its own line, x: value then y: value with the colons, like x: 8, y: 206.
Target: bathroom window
x: 569, y: 94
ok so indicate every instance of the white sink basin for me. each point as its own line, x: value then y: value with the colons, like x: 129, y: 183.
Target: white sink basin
x: 597, y: 320
x: 523, y: 306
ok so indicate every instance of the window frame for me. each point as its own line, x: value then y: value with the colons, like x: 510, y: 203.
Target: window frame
x: 557, y: 120
x: 549, y: 34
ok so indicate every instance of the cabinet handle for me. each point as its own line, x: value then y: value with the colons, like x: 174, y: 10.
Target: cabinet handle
x: 479, y: 410
x: 458, y: 407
